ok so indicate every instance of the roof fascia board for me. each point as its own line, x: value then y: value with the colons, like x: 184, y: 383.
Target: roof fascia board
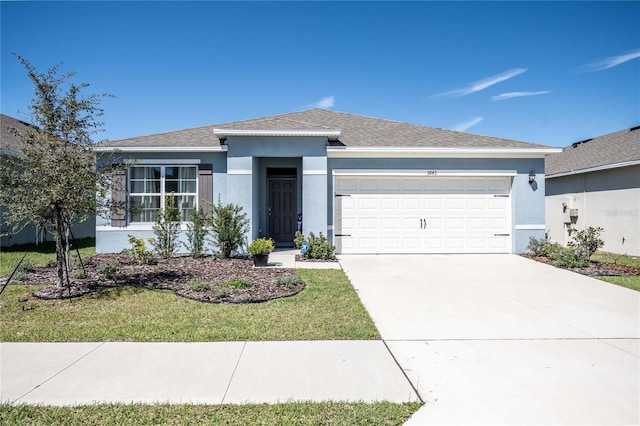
x: 594, y: 169
x: 367, y: 152
x: 332, y: 135
x: 221, y: 148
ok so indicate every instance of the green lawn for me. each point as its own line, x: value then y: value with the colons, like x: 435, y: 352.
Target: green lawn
x: 632, y: 282
x: 40, y: 254
x: 326, y: 413
x: 328, y: 309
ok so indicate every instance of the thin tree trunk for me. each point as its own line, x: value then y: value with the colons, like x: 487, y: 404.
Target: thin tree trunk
x: 61, y: 260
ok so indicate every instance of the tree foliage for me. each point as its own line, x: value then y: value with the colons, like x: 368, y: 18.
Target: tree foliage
x: 54, y: 181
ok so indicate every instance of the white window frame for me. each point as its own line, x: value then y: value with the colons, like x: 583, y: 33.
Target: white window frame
x: 163, y: 193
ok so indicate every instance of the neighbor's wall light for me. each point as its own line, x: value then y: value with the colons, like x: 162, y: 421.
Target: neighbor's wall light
x: 532, y: 177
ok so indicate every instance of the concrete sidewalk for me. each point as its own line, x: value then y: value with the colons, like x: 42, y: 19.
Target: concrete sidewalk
x: 200, y: 373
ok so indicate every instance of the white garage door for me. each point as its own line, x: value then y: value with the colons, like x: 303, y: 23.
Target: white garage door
x: 392, y: 214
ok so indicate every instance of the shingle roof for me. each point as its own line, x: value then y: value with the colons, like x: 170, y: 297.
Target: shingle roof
x: 614, y: 148
x: 356, y: 131
x: 8, y: 140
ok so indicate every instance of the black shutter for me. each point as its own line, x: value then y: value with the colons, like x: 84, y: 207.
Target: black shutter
x: 119, y: 199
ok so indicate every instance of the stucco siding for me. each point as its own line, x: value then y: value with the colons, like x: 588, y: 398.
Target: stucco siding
x: 114, y: 239
x: 608, y: 198
x: 247, y: 146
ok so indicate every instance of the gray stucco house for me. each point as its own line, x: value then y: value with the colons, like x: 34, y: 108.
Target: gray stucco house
x: 12, y: 145
x: 371, y: 185
x: 596, y: 183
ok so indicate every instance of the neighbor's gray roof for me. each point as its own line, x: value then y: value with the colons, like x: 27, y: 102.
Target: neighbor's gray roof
x: 356, y: 131
x: 8, y: 140
x: 614, y: 148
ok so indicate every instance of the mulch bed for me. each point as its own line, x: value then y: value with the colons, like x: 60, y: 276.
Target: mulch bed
x: 593, y: 269
x: 175, y: 274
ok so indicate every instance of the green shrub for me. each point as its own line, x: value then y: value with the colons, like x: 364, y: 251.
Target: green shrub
x: 237, y: 284
x: 79, y: 274
x: 568, y: 257
x: 222, y: 292
x: 167, y: 228
x: 319, y: 247
x: 289, y: 281
x: 261, y: 246
x: 108, y: 269
x: 139, y: 249
x: 27, y: 266
x: 587, y: 240
x: 299, y: 239
x: 198, y: 285
x: 539, y: 246
x: 228, y: 227
x: 197, y: 231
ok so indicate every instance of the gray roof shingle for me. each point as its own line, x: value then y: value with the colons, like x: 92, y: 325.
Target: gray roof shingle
x: 356, y: 131
x: 613, y: 148
x: 8, y: 140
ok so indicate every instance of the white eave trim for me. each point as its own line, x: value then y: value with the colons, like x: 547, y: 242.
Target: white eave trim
x: 356, y: 152
x: 594, y: 169
x: 216, y: 148
x: 332, y: 135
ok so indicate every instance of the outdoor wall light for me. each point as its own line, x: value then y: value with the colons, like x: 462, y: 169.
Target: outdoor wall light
x: 532, y: 178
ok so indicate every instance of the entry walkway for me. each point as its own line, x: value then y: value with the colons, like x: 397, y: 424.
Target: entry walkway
x: 200, y: 373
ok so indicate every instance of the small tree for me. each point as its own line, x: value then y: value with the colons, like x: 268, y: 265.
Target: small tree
x: 167, y: 228
x: 197, y: 231
x: 587, y: 240
x: 54, y: 181
x: 228, y: 227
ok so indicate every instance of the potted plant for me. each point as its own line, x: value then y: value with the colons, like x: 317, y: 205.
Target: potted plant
x: 260, y: 249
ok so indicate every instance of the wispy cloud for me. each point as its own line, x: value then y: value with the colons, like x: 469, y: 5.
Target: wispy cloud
x: 325, y: 103
x: 461, y: 127
x: 612, y: 61
x: 483, y: 84
x: 509, y: 95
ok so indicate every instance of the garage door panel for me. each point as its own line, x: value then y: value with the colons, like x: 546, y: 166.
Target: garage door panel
x: 390, y: 203
x: 454, y: 204
x: 423, y: 214
x: 391, y: 223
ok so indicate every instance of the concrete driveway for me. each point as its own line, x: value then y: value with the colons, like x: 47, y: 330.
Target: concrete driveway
x: 499, y: 339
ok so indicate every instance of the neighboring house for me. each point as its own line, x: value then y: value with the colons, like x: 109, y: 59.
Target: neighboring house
x: 371, y: 185
x: 12, y: 145
x: 596, y: 183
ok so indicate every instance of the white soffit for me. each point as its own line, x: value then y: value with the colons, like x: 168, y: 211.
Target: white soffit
x: 332, y: 135
x: 400, y: 152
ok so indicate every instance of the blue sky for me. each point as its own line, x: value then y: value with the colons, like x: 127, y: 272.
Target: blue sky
x: 543, y: 72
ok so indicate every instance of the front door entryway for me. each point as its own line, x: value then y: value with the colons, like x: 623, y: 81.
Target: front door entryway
x: 281, y: 207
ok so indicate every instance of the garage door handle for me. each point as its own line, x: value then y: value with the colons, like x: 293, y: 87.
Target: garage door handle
x: 501, y: 235
x: 343, y: 195
x: 343, y: 235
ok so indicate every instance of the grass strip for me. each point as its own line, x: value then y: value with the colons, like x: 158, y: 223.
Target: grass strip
x: 296, y: 413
